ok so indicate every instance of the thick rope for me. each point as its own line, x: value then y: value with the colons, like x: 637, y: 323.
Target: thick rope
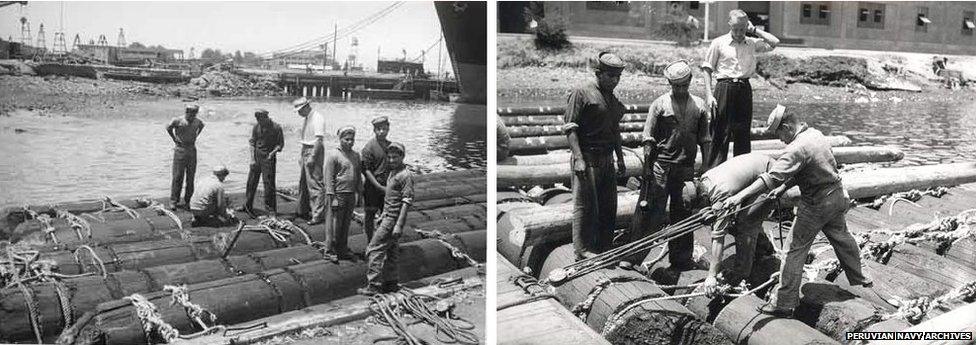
x: 151, y: 321
x: 180, y: 295
x: 914, y: 310
x: 159, y: 208
x: 96, y: 261
x: 115, y: 207
x: 456, y: 252
x: 33, y: 314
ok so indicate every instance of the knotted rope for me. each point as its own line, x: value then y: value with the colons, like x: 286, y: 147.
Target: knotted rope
x: 150, y: 319
x: 196, y: 313
x: 914, y: 310
x: 456, y: 252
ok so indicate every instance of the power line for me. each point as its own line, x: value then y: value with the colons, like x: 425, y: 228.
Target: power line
x: 342, y: 33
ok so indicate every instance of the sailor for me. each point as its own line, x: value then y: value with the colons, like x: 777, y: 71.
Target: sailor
x: 375, y: 173
x: 807, y: 162
x: 592, y: 125
x: 210, y: 206
x: 184, y: 132
x: 266, y: 141
x: 311, y: 205
x: 731, y: 59
x: 343, y: 183
x: 715, y: 186
x: 383, y: 252
x: 676, y: 126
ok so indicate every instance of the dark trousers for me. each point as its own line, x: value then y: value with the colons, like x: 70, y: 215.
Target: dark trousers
x: 264, y: 169
x: 383, y: 256
x: 337, y: 226
x: 594, y: 203
x: 311, y: 199
x: 184, y: 166
x: 732, y: 122
x: 667, y: 180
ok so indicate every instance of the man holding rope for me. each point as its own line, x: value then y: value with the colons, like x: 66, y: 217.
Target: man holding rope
x: 592, y: 128
x: 809, y: 163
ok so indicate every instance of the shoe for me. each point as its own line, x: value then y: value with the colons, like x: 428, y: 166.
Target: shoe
x: 684, y: 266
x: 773, y: 310
x: 173, y: 206
x: 368, y: 291
x: 868, y: 284
x: 391, y: 287
x: 347, y: 255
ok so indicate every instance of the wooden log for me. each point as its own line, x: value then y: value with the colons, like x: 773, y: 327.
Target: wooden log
x: 530, y: 145
x: 84, y: 293
x: 960, y: 319
x: 834, y: 311
x: 745, y: 325
x: 554, y: 168
x: 537, y: 126
x: 528, y: 319
x: 559, y: 110
x: 552, y: 224
x: 619, y: 311
x: 248, y: 297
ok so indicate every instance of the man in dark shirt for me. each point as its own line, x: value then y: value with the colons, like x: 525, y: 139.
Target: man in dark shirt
x: 677, y: 124
x: 266, y: 141
x: 592, y: 125
x: 807, y: 162
x: 375, y: 173
x: 184, y: 131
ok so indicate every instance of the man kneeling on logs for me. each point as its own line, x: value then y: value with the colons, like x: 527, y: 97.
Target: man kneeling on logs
x: 809, y: 163
x: 209, y: 204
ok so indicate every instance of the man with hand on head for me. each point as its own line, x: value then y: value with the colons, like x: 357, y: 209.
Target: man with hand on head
x: 375, y: 173
x: 807, y: 162
x: 184, y: 132
x: 383, y: 252
x: 731, y: 59
x: 592, y: 127
x: 266, y: 141
x: 676, y: 126
x: 343, y: 183
x: 311, y: 203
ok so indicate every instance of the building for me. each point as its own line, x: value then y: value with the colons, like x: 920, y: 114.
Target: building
x: 304, y: 58
x: 123, y: 56
x: 925, y: 27
x: 399, y: 67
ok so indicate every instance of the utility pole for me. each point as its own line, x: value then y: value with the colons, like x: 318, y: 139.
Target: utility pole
x: 335, y: 37
x: 325, y: 55
x: 121, y: 41
x: 439, y: 55
x: 705, y: 39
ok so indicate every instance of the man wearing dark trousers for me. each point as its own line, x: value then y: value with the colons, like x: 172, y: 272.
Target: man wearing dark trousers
x: 592, y: 126
x: 731, y: 59
x: 266, y: 141
x: 184, y: 132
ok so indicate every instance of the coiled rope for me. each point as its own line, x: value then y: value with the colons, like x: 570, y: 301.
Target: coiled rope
x: 448, y: 328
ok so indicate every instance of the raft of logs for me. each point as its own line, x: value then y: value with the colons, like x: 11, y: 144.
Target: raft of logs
x: 533, y: 234
x: 99, y: 253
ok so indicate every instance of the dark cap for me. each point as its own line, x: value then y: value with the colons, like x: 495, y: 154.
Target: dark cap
x: 609, y: 61
x: 396, y: 146
x: 261, y: 111
x: 380, y: 120
x: 192, y: 108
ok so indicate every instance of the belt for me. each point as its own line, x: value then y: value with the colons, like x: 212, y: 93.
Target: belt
x: 734, y: 80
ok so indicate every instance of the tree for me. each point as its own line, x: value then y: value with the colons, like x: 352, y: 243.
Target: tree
x: 238, y: 58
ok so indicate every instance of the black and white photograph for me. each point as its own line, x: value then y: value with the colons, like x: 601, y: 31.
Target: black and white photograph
x: 243, y: 172
x: 722, y: 172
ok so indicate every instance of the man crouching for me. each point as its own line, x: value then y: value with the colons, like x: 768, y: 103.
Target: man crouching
x: 209, y: 204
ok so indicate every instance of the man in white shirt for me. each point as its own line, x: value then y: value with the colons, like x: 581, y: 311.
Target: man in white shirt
x: 311, y: 204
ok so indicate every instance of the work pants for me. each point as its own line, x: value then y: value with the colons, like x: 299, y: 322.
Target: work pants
x: 827, y: 215
x: 594, y: 202
x: 732, y: 122
x: 667, y: 180
x: 383, y: 256
x: 184, y: 166
x: 337, y: 226
x: 747, y: 230
x: 209, y: 218
x: 372, y: 206
x: 311, y: 197
x: 264, y: 169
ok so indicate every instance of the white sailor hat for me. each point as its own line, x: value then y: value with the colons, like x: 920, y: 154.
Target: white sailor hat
x: 775, y: 118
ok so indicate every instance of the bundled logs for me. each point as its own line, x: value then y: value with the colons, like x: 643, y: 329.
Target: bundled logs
x: 536, y: 145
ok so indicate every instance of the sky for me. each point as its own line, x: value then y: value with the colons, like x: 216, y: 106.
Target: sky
x: 256, y: 26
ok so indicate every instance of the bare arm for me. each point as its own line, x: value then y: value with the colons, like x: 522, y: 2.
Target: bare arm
x: 371, y: 179
x: 169, y: 131
x: 573, y: 108
x: 768, y: 37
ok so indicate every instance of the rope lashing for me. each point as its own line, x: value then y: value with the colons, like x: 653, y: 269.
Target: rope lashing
x: 910, y: 196
x: 33, y: 314
x: 151, y: 321
x: 78, y: 224
x: 195, y: 312
x: 830, y: 266
x: 160, y: 209
x: 944, y: 231
x: 392, y: 308
x: 286, y: 225
x: 914, y: 310
x: 109, y: 205
x: 582, y: 309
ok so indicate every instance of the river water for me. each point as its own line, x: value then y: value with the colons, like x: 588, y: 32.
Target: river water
x: 126, y: 153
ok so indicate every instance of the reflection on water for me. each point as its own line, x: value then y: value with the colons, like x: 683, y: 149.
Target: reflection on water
x: 51, y: 159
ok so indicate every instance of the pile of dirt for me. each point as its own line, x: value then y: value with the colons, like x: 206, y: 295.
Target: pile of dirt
x: 223, y: 83
x: 841, y: 71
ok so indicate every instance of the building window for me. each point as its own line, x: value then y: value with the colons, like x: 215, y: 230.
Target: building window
x: 822, y: 17
x: 967, y: 23
x: 694, y: 5
x: 622, y: 6
x: 922, y: 20
x: 870, y: 15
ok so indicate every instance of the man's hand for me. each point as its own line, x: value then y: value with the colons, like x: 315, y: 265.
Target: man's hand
x: 710, y: 286
x: 579, y: 166
x: 621, y: 168
x: 751, y: 29
x: 397, y: 231
x: 733, y: 202
x: 271, y: 155
x: 776, y: 193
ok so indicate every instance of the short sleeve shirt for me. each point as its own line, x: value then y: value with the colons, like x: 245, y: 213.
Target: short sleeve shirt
x: 186, y: 131
x: 374, y: 159
x: 594, y: 115
x: 677, y: 129
x: 312, y: 127
x: 208, y: 196
x: 342, y: 172
x: 399, y: 191
x: 730, y: 59
x: 810, y: 162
